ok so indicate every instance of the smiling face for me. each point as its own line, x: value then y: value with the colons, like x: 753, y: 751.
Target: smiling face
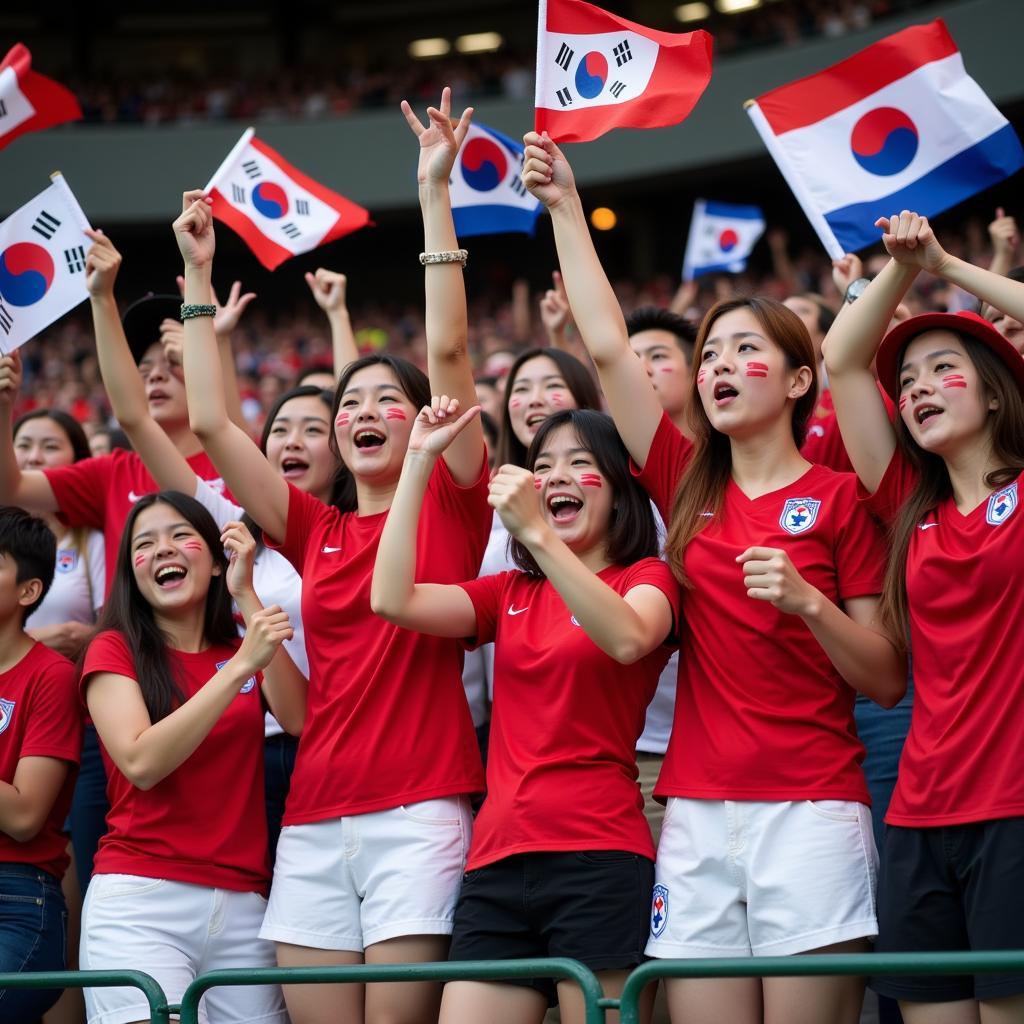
x: 666, y: 366
x: 576, y: 497
x: 539, y: 389
x: 298, y: 445
x: 165, y: 387
x: 744, y: 380
x: 41, y: 443
x: 942, y: 400
x: 373, y: 424
x: 170, y: 561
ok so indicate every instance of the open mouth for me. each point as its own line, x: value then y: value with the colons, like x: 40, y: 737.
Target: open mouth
x: 368, y: 438
x: 535, y: 419
x: 158, y: 396
x: 292, y: 467
x: 564, y: 507
x: 724, y: 392
x: 926, y: 412
x: 170, y: 575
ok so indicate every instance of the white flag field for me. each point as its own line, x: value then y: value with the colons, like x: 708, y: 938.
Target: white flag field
x: 42, y: 264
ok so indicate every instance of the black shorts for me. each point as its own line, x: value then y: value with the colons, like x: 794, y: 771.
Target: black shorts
x: 951, y: 889
x: 589, y: 905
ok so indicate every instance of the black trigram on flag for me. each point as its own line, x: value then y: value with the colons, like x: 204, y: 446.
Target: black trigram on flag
x: 516, y: 183
x: 616, y: 89
x: 46, y: 225
x: 564, y: 57
x: 291, y: 230
x: 622, y: 53
x: 238, y: 195
x: 75, y: 259
x: 6, y: 320
x: 3, y: 109
x: 302, y: 207
x: 252, y: 168
x: 564, y: 97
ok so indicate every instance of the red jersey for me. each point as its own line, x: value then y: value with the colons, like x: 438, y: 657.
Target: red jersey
x: 761, y: 712
x: 40, y: 717
x: 962, y: 759
x: 387, y: 721
x: 100, y: 492
x: 824, y: 443
x: 205, y: 823
x: 565, y: 720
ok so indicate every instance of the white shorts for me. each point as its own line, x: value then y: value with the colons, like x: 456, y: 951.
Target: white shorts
x: 175, y: 931
x: 346, y: 883
x: 764, y: 879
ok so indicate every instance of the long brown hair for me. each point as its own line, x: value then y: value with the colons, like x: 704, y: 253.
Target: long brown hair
x: 933, y: 483
x: 702, y: 485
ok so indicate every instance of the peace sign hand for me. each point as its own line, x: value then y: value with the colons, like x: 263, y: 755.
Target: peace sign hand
x: 439, y: 139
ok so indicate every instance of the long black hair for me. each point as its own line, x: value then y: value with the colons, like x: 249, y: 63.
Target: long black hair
x: 130, y: 614
x: 415, y: 386
x: 632, y: 531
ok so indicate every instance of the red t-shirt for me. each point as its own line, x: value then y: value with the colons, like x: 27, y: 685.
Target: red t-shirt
x: 824, y: 443
x: 565, y: 720
x: 40, y: 717
x: 963, y: 758
x: 761, y: 712
x: 206, y: 822
x: 99, y: 493
x: 387, y: 721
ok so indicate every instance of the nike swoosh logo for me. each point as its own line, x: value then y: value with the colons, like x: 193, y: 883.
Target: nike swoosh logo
x: 329, y: 550
x: 512, y: 610
x: 926, y: 526
x: 133, y: 497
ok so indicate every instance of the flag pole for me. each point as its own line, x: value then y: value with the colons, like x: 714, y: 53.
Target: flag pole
x: 231, y: 157
x: 69, y: 197
x: 542, y: 25
x: 793, y: 179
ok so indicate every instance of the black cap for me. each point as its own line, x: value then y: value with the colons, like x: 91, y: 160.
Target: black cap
x: 142, y: 320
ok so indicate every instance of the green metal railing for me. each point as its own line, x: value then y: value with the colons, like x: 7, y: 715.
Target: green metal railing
x: 158, y: 1008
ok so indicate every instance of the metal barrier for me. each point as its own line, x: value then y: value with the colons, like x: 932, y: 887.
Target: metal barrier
x: 467, y: 970
x: 158, y: 1009
x: 867, y: 964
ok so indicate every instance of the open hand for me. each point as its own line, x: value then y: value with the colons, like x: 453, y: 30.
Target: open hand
x: 439, y: 139
x: 438, y: 424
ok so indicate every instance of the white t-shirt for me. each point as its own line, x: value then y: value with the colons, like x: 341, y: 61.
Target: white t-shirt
x: 79, y: 583
x: 274, y: 579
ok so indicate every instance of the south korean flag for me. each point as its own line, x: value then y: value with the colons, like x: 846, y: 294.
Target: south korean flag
x: 42, y: 264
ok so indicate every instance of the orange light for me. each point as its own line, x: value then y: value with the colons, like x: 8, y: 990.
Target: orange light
x: 603, y: 219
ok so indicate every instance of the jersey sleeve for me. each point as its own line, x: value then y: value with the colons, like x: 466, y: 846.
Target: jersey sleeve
x: 896, y: 486
x: 654, y: 572
x: 860, y: 547
x: 108, y: 652
x: 464, y: 509
x: 96, y: 548
x: 222, y: 510
x: 54, y: 725
x: 304, y: 515
x: 487, y: 595
x: 669, y: 454
x: 81, y: 490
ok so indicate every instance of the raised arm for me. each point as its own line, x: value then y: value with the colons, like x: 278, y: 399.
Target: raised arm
x: 29, y: 490
x: 1005, y: 239
x: 434, y: 608
x: 251, y: 479
x: 329, y: 288
x: 632, y: 400
x: 447, y: 327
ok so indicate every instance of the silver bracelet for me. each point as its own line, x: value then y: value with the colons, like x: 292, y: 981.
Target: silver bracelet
x: 449, y: 256
x: 190, y: 310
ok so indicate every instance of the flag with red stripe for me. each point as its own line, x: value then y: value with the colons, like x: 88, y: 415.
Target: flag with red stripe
x: 30, y: 102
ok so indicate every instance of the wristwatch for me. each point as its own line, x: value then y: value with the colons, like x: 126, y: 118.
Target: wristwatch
x: 855, y: 289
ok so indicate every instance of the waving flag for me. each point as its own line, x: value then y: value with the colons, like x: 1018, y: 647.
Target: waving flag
x: 487, y: 194
x: 597, y: 71
x: 721, y: 238
x: 897, y: 126
x: 277, y: 209
x: 29, y: 101
x: 42, y: 264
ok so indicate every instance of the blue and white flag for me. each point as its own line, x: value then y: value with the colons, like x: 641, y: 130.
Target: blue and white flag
x: 721, y: 238
x: 487, y: 194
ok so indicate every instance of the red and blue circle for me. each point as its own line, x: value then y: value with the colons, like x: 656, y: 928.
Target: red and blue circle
x: 270, y: 199
x: 26, y: 273
x: 591, y: 75
x: 484, y: 165
x: 728, y: 240
x: 884, y: 141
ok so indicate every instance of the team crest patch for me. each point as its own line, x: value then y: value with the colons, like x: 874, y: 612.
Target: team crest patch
x: 6, y: 713
x: 67, y: 559
x: 799, y: 514
x: 659, y: 911
x: 248, y: 686
x: 1001, y: 505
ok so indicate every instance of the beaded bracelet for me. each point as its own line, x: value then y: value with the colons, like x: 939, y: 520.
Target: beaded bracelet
x: 449, y: 256
x: 193, y: 309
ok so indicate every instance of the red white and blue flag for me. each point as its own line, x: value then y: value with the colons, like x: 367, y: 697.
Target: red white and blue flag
x: 278, y: 211
x: 487, y: 193
x: 30, y: 102
x: 42, y: 264
x: 721, y: 238
x: 597, y: 71
x: 898, y: 126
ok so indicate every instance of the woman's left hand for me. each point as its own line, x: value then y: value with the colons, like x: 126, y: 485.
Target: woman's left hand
x: 769, y: 575
x: 439, y: 140
x: 193, y: 230
x: 438, y: 424
x: 241, y: 546
x: 513, y: 495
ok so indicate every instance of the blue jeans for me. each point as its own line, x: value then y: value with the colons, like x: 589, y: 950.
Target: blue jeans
x: 33, y: 937
x: 278, y: 765
x: 89, y: 807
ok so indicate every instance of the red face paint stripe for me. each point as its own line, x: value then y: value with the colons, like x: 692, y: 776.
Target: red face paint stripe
x: 903, y: 402
x: 701, y: 375
x: 514, y: 403
x: 557, y: 399
x: 757, y: 369
x: 954, y: 380
x: 193, y: 545
x: 342, y: 420
x: 590, y: 480
x: 395, y: 414
x: 139, y: 559
x: 757, y: 373
x: 538, y: 483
